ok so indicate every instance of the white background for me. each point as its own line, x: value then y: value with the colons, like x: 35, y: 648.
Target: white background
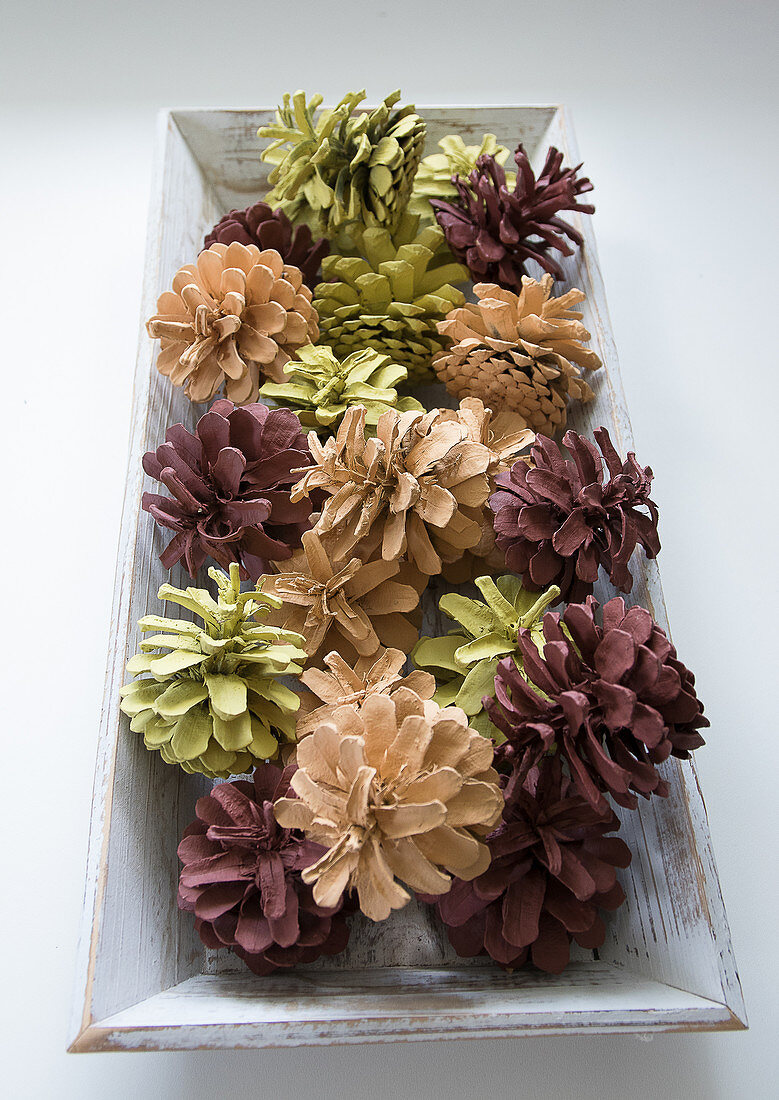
x: 674, y: 104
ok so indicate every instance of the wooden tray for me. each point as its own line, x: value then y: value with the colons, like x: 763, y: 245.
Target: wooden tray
x: 145, y: 982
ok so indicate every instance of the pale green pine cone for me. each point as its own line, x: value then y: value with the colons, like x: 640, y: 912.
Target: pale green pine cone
x: 434, y: 175
x: 209, y: 697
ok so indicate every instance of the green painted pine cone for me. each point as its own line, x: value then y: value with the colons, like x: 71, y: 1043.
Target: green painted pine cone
x: 321, y: 387
x: 390, y: 294
x: 343, y: 167
x: 434, y: 175
x: 209, y: 697
x: 464, y: 661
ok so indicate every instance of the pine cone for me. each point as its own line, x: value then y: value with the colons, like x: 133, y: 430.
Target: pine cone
x: 241, y: 878
x: 212, y: 701
x: 613, y: 700
x: 519, y: 352
x: 434, y: 175
x: 231, y: 483
x: 232, y: 316
x: 557, y: 523
x: 419, y: 487
x: 390, y: 296
x: 347, y: 686
x: 495, y: 231
x: 323, y: 387
x: 552, y: 868
x: 266, y: 228
x: 343, y: 604
x: 345, y: 167
x: 465, y: 660
x: 399, y: 788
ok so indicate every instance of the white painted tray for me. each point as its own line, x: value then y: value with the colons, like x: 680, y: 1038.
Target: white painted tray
x: 145, y: 982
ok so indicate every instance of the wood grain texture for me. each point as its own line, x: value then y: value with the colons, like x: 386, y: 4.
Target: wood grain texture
x: 139, y: 956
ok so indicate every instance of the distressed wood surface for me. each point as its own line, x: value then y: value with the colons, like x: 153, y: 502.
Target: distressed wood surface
x: 139, y: 956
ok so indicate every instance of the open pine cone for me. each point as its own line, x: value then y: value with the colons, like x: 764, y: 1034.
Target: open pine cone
x: 233, y: 316
x: 231, y: 483
x: 321, y: 387
x: 212, y: 700
x: 613, y: 701
x: 265, y: 227
x: 465, y: 660
x: 241, y: 878
x: 399, y: 790
x: 559, y: 520
x: 345, y: 167
x: 521, y: 352
x: 553, y: 867
x: 344, y: 603
x: 390, y: 295
x: 434, y: 175
x: 345, y: 685
x: 418, y: 487
x: 495, y: 230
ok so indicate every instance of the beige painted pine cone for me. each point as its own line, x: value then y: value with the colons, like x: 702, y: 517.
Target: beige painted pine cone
x: 345, y: 604
x: 419, y: 487
x: 233, y: 317
x: 520, y: 352
x: 346, y: 685
x: 400, y: 791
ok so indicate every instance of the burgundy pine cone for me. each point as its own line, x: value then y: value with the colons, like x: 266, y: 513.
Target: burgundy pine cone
x: 230, y: 483
x: 552, y: 869
x: 241, y: 878
x: 558, y: 520
x: 495, y: 231
x: 616, y: 702
x: 260, y: 224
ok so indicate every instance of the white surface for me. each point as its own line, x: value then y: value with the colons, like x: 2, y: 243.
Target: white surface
x: 674, y: 105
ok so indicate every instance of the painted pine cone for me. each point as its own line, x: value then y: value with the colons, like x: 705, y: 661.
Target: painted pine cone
x: 613, y: 701
x: 230, y: 482
x: 496, y: 230
x: 241, y: 877
x: 233, y: 317
x: 519, y: 352
x: 265, y: 227
x: 561, y: 519
x: 553, y: 867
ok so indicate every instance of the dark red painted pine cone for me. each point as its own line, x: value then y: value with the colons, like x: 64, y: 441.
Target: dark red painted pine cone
x: 230, y: 483
x: 616, y: 702
x: 559, y: 519
x: 260, y: 224
x: 495, y: 230
x: 553, y: 867
x: 241, y: 878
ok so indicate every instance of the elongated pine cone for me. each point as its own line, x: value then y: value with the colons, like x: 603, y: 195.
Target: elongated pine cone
x: 345, y: 685
x: 399, y: 791
x: 210, y: 697
x: 241, y: 877
x: 344, y: 167
x: 390, y: 296
x: 418, y: 488
x: 559, y: 520
x: 613, y: 701
x: 520, y: 352
x: 344, y: 604
x: 553, y: 867
x: 495, y: 230
x: 231, y: 481
x: 232, y: 317
x: 266, y: 228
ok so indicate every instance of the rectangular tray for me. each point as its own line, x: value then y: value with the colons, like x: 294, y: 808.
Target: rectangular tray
x: 144, y: 981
